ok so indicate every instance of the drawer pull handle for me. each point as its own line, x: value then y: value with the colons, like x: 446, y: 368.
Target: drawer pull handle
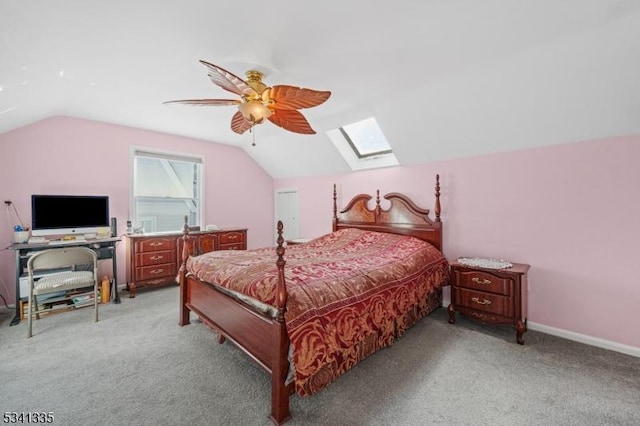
x: 483, y: 302
x: 155, y: 244
x: 157, y: 257
x: 481, y: 281
x: 156, y: 271
x: 232, y: 237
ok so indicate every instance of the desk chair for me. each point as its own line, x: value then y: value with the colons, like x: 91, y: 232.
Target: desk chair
x: 58, y: 258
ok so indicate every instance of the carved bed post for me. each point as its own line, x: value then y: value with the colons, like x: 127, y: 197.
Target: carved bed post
x: 335, y: 210
x: 281, y: 296
x: 279, y: 393
x: 437, y: 207
x: 182, y: 273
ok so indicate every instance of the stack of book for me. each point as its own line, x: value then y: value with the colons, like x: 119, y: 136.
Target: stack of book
x: 86, y: 299
x: 60, y: 303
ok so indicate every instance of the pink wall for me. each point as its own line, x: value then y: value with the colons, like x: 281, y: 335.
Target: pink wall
x: 64, y: 155
x: 571, y: 211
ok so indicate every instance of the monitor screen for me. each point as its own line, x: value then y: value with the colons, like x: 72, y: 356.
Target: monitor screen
x: 68, y: 214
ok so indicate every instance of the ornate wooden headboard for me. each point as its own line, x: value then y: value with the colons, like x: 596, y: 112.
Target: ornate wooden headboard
x: 402, y: 217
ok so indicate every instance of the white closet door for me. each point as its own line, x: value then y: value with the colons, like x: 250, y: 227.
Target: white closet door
x: 287, y: 211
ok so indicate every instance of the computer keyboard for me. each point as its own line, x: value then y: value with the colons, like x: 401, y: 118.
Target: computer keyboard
x: 59, y: 242
x: 37, y: 240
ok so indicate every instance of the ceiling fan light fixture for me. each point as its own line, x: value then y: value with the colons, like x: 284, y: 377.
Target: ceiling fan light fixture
x: 280, y: 103
x: 254, y: 111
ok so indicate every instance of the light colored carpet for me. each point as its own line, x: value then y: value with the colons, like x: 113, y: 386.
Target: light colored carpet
x: 137, y: 366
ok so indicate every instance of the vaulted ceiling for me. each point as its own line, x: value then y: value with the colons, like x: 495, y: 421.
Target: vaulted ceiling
x: 444, y: 78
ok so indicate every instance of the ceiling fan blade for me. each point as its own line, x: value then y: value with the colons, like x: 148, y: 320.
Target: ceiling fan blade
x: 205, y: 102
x: 227, y: 80
x: 291, y: 120
x: 291, y: 97
x: 239, y: 124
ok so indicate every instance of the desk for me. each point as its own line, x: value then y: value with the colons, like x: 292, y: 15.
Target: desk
x: 105, y: 248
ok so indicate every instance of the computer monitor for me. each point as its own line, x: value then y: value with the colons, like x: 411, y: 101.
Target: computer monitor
x: 69, y: 214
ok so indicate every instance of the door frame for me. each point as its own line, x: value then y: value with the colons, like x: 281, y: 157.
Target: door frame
x: 277, y: 192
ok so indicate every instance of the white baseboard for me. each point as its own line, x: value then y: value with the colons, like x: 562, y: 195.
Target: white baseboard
x: 570, y: 335
x: 583, y: 338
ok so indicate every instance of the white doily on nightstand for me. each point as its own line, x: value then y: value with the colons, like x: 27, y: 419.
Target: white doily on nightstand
x: 485, y: 263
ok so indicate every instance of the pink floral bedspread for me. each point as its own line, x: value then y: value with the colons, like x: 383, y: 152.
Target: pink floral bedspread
x: 351, y: 293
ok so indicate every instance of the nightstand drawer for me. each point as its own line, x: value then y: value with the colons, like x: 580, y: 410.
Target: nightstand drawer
x: 483, y: 281
x: 486, y: 302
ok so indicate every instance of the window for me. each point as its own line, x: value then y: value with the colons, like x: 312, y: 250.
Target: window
x: 363, y: 145
x: 365, y: 138
x: 165, y: 188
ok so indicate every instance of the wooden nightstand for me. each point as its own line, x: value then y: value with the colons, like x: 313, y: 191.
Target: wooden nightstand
x: 495, y: 296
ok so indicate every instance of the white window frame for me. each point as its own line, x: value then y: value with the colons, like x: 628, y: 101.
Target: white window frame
x: 351, y: 156
x: 170, y: 155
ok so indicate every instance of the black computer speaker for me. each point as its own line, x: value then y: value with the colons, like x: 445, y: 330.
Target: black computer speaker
x: 114, y: 227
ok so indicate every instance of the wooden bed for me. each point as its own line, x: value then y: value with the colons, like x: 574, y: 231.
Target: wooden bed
x: 264, y: 336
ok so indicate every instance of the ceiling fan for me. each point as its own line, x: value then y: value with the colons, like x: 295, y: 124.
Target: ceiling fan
x: 279, y: 104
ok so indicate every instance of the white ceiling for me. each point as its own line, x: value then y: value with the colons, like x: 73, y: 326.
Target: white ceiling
x: 444, y: 78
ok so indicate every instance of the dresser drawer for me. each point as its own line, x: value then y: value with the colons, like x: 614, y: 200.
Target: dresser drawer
x: 236, y: 246
x: 483, y: 281
x: 481, y: 301
x: 155, y: 271
x: 207, y: 243
x: 231, y: 237
x: 155, y: 244
x: 155, y: 257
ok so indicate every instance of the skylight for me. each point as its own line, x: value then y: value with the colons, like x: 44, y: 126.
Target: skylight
x: 363, y: 145
x: 366, y: 138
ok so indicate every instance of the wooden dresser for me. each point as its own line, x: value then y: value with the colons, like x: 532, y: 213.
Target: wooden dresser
x: 495, y: 296
x: 154, y: 259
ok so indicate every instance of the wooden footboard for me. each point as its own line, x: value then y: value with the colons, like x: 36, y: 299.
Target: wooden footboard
x: 262, y: 337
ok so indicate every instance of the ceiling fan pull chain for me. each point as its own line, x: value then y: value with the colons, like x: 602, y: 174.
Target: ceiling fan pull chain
x: 253, y: 135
